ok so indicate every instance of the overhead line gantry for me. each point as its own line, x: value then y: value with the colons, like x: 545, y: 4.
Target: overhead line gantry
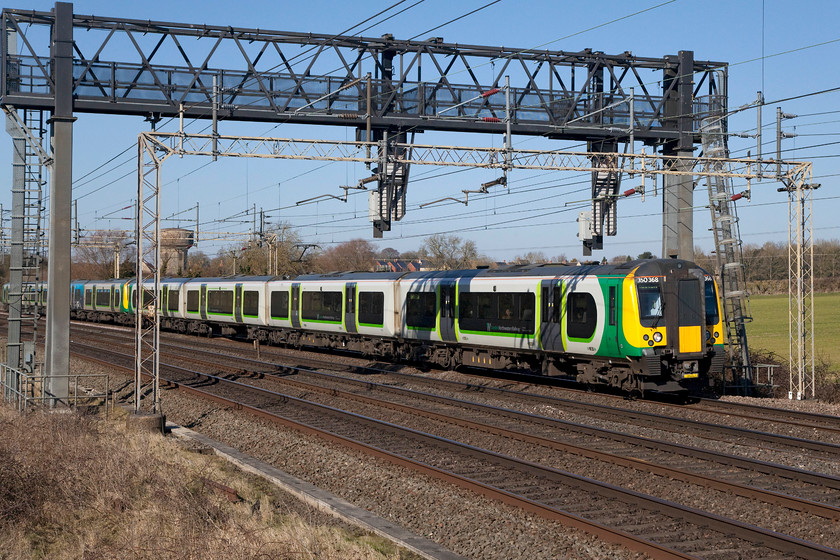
x: 383, y: 87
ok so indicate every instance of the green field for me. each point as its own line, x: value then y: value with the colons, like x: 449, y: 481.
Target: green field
x: 769, y: 328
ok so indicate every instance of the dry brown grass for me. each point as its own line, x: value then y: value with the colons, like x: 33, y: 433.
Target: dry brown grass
x: 78, y: 488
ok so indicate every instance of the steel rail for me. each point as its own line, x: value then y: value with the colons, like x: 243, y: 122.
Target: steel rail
x: 769, y: 496
x: 830, y: 423
x: 771, y: 539
x: 789, y: 440
x: 606, y: 533
x: 754, y: 465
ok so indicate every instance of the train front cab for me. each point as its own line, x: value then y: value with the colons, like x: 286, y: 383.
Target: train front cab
x: 674, y: 322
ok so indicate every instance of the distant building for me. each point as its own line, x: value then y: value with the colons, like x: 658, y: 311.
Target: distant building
x: 399, y: 265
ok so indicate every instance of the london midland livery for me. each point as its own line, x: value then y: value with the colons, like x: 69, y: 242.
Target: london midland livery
x: 649, y: 325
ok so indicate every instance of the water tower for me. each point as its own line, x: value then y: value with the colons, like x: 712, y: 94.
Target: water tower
x: 174, y: 244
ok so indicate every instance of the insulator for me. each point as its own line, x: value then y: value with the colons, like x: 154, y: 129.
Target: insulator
x: 628, y: 192
x: 491, y: 92
x: 738, y: 196
x: 348, y: 116
x: 491, y: 119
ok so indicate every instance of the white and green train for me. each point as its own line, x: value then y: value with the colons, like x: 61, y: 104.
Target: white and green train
x: 650, y: 325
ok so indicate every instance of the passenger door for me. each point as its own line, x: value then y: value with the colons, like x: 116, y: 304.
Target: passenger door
x: 237, y: 303
x: 610, y: 344
x: 448, y: 289
x: 202, y: 303
x: 350, y: 307
x: 551, y: 315
x: 295, y: 311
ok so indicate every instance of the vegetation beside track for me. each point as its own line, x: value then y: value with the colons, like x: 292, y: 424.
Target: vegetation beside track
x: 768, y: 331
x: 76, y: 487
x: 769, y: 340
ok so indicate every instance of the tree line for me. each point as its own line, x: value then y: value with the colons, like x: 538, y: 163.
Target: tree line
x: 282, y: 252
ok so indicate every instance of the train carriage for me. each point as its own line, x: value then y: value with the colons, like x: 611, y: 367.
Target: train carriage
x: 224, y: 305
x: 651, y: 325
x: 100, y: 299
x: 355, y: 311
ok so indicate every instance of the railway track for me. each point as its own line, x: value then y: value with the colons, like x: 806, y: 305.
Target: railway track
x: 816, y: 495
x: 776, y: 484
x: 651, y: 525
x: 731, y: 435
x: 810, y: 427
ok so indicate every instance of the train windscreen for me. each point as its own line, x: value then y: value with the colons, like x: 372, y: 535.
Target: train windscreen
x: 650, y: 303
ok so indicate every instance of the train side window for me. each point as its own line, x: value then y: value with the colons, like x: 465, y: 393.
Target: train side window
x: 103, y: 297
x: 612, y: 306
x: 116, y: 298
x: 546, y: 305
x: 371, y: 308
x: 321, y: 306
x: 192, y: 301
x: 173, y: 302
x: 148, y: 296
x: 350, y: 304
x: 251, y: 303
x: 220, y: 302
x: 421, y: 310
x: 280, y: 305
x: 581, y: 315
x: 88, y: 297
x: 497, y: 312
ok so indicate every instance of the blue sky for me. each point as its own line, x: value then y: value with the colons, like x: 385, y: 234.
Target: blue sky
x: 531, y: 214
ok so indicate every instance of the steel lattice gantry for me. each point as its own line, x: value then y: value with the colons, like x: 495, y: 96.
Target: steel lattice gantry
x: 149, y: 68
x: 385, y: 88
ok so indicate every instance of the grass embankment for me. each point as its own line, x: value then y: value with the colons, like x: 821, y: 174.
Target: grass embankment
x: 77, y: 488
x: 769, y: 328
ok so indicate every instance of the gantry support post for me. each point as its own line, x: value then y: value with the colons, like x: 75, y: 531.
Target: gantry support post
x: 58, y: 276
x: 147, y: 314
x: 13, y: 347
x: 678, y: 190
x: 801, y: 285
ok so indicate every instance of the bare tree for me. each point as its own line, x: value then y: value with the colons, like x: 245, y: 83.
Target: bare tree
x: 95, y: 255
x: 531, y: 257
x: 450, y: 252
x: 356, y: 254
x: 198, y: 265
x: 388, y: 253
x: 278, y: 252
x: 287, y: 256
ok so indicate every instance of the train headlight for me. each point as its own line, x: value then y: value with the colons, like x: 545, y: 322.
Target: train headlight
x: 650, y: 343
x: 717, y: 334
x: 708, y: 336
x: 657, y: 337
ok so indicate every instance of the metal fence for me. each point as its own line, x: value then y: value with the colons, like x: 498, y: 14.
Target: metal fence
x: 735, y: 381
x: 27, y: 390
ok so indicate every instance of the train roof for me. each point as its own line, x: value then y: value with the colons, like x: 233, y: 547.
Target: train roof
x: 237, y: 278
x: 647, y: 267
